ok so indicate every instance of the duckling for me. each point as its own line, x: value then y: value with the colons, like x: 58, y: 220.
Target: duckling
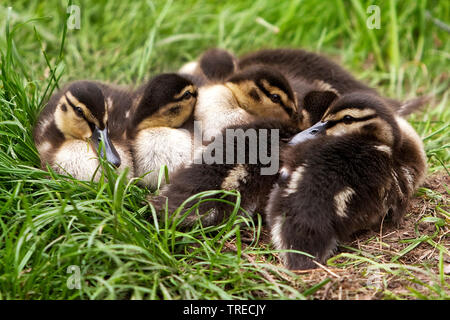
x: 247, y: 160
x: 70, y: 128
x: 248, y: 164
x: 248, y: 95
x: 360, y: 163
x: 309, y: 67
x: 214, y: 65
x: 158, y: 128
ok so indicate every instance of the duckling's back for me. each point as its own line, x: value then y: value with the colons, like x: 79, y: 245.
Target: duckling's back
x: 308, y: 65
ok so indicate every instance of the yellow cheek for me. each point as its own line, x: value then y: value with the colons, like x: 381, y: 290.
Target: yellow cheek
x: 82, y: 130
x: 72, y: 126
x: 164, y: 119
x: 337, y: 130
x: 268, y: 109
x: 241, y: 93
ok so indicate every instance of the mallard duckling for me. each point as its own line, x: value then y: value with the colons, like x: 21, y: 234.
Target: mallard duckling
x: 70, y: 128
x: 223, y: 62
x: 307, y: 65
x: 304, y: 66
x: 249, y: 164
x: 247, y: 160
x: 214, y: 65
x: 157, y: 128
x: 360, y: 163
x: 248, y: 95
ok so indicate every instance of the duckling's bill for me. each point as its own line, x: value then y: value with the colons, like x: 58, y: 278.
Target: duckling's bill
x: 311, y: 133
x: 108, y: 150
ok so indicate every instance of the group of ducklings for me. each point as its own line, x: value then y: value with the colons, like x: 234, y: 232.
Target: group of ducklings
x: 348, y: 158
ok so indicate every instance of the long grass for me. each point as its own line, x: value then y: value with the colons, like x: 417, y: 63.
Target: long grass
x: 50, y: 222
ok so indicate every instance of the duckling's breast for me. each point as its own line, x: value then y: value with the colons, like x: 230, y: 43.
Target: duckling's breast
x: 77, y: 158
x: 126, y: 159
x: 155, y: 147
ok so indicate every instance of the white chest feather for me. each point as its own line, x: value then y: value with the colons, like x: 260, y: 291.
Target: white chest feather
x: 77, y: 158
x: 126, y: 160
x: 161, y: 146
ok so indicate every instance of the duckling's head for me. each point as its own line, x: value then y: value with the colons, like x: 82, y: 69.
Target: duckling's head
x: 168, y: 101
x: 264, y: 92
x: 356, y: 113
x: 217, y: 64
x: 81, y: 114
x: 313, y: 105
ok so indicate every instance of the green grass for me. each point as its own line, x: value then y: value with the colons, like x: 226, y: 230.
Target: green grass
x: 49, y: 222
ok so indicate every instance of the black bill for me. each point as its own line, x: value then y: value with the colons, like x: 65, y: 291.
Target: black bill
x: 311, y: 133
x: 112, y: 156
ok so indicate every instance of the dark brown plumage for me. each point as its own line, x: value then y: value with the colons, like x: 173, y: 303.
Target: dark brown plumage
x: 307, y: 65
x: 264, y: 79
x: 310, y: 66
x: 243, y: 176
x: 159, y: 92
x: 214, y: 66
x: 248, y: 95
x: 119, y: 101
x: 366, y: 166
x: 217, y: 64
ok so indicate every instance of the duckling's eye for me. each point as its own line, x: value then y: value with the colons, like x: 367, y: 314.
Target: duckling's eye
x: 79, y: 111
x: 186, y: 95
x: 348, y: 119
x: 275, y: 98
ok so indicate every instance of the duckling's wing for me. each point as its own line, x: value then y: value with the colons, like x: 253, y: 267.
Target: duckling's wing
x: 309, y: 65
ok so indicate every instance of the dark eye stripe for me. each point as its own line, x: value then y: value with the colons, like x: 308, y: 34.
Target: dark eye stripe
x: 332, y: 123
x: 74, y: 107
x: 193, y: 94
x: 288, y: 110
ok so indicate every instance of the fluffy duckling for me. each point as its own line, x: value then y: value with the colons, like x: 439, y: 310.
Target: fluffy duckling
x: 304, y: 66
x: 307, y: 65
x: 246, y: 160
x: 69, y: 130
x: 248, y: 95
x: 214, y: 65
x: 157, y: 128
x: 249, y: 164
x: 217, y: 64
x: 360, y: 163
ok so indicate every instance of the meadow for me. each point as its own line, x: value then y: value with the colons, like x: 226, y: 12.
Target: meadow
x: 66, y: 239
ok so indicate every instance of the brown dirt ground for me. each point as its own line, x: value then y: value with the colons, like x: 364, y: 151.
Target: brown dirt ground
x: 355, y: 281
